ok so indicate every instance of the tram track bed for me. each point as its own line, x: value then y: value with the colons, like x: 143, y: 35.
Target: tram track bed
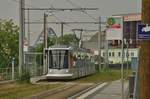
x: 63, y: 88
x: 70, y: 91
x: 63, y: 92
x: 19, y: 91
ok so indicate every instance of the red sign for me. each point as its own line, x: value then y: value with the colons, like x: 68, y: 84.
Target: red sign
x: 132, y: 17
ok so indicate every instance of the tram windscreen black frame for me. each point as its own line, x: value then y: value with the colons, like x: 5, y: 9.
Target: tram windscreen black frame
x: 58, y: 59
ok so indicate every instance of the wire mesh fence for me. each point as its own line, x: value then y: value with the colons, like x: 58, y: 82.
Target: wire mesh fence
x: 8, y: 74
x: 34, y: 64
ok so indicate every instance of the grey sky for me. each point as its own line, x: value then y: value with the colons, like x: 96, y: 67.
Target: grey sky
x: 10, y: 9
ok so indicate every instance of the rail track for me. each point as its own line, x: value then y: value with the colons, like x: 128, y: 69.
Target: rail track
x: 62, y: 92
x: 68, y: 91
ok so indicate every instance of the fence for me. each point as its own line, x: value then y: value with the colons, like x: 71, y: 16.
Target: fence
x: 34, y: 63
x: 8, y: 73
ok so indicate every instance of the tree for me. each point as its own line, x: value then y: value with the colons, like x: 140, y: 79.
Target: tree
x: 68, y: 39
x: 40, y: 46
x: 9, y: 42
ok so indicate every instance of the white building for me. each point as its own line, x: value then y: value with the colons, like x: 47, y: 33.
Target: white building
x: 115, y: 55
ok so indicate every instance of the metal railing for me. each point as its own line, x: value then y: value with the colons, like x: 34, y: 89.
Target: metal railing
x: 8, y: 73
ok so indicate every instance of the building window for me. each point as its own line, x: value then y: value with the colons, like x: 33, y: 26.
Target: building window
x: 113, y: 54
x: 127, y: 54
x: 109, y: 54
x: 132, y: 54
x: 119, y: 54
x: 103, y: 54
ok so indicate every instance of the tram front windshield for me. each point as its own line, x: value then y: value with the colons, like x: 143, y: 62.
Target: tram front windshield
x: 58, y: 59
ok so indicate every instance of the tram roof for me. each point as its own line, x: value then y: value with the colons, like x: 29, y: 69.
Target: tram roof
x: 66, y: 47
x: 60, y: 47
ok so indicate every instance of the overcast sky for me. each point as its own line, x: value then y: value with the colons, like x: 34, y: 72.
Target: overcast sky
x: 10, y: 9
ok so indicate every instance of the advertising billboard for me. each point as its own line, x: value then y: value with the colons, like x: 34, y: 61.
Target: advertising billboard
x: 114, y: 28
x: 143, y: 32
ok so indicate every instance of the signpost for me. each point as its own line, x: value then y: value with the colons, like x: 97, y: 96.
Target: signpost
x: 115, y: 32
x: 143, y: 32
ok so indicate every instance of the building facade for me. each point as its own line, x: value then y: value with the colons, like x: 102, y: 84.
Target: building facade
x: 130, y: 24
x: 112, y: 48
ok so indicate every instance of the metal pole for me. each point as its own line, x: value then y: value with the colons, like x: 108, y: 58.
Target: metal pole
x: 13, y: 64
x: 99, y: 43
x: 106, y: 55
x: 81, y: 34
x: 21, y: 35
x: 28, y: 29
x: 62, y: 30
x: 127, y: 58
x: 45, y: 43
x: 136, y: 92
x: 80, y: 43
x: 122, y: 68
x: 45, y: 30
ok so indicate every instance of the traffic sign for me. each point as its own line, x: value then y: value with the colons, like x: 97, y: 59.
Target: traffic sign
x: 144, y: 32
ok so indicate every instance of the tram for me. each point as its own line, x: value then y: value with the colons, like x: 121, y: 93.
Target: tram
x: 67, y: 62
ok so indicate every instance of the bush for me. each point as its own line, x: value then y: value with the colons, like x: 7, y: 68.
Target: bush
x: 24, y: 77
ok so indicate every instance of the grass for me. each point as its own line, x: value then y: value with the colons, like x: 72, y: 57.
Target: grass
x: 104, y: 76
x: 18, y: 91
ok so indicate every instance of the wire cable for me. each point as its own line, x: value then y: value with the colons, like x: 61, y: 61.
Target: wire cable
x: 85, y: 12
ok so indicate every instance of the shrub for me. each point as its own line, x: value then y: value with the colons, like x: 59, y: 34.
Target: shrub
x: 24, y: 77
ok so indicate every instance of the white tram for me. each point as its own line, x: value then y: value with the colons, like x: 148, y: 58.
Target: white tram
x: 65, y: 62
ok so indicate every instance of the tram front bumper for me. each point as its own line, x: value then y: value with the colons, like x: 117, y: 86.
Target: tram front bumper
x: 59, y: 76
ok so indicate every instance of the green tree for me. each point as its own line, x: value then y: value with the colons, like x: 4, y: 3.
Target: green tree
x: 9, y: 42
x: 40, y: 46
x: 68, y: 39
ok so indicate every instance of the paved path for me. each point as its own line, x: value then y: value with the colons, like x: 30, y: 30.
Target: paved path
x: 112, y: 91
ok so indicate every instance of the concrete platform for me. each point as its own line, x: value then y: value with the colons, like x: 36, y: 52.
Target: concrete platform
x: 112, y: 91
x: 34, y: 80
